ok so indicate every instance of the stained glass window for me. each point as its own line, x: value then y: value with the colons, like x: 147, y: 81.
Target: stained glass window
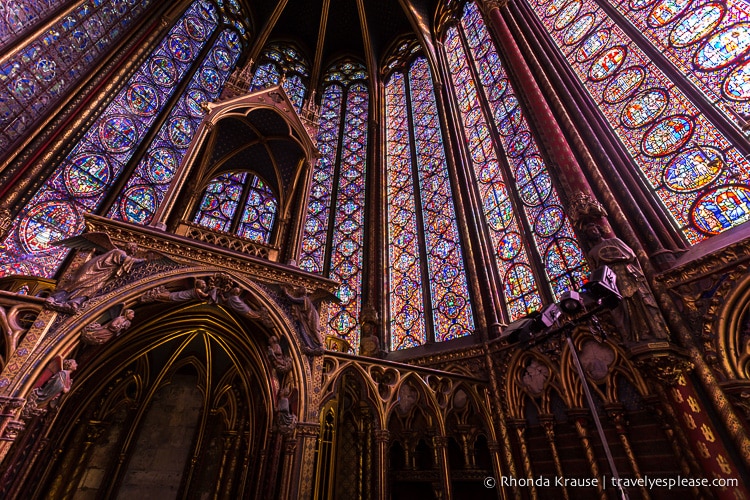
x: 147, y: 186
x: 19, y: 16
x: 35, y: 75
x: 698, y: 175
x: 526, y: 220
x: 419, y: 190
x: 82, y: 180
x: 278, y: 61
x: 337, y: 197
x: 222, y: 197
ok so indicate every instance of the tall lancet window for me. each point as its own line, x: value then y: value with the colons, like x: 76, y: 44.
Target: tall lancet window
x: 193, y: 51
x: 653, y: 68
x: 332, y: 244
x: 45, y: 66
x: 533, y: 239
x: 284, y: 61
x: 239, y: 203
x: 429, y: 295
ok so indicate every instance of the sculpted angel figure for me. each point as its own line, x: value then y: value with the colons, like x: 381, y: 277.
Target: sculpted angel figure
x: 59, y: 383
x: 199, y: 291
x: 305, y: 311
x: 98, y: 334
x: 279, y: 362
x: 94, y: 274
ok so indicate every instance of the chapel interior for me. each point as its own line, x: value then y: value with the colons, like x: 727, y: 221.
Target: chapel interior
x: 375, y: 249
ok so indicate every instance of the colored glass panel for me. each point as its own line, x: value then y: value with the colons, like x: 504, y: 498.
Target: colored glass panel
x: 220, y: 201
x: 552, y: 233
x: 36, y: 75
x: 449, y: 291
x: 347, y: 245
x: 18, y: 17
x: 706, y: 41
x: 114, y: 136
x: 407, y: 323
x: 334, y: 228
x: 312, y: 256
x: 712, y: 54
x: 148, y: 184
x: 280, y: 60
x: 260, y: 212
x: 521, y: 296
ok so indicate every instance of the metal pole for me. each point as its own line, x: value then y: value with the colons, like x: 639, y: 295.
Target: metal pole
x: 595, y: 414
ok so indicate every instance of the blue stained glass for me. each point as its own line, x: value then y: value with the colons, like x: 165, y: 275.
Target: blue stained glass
x: 278, y: 60
x: 114, y: 136
x: 38, y: 72
x: 154, y: 172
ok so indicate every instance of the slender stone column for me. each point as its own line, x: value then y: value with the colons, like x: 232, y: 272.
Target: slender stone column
x: 440, y: 448
x: 548, y: 423
x: 581, y: 420
x: 382, y: 438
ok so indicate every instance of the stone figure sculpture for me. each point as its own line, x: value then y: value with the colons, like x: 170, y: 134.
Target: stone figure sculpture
x: 637, y: 316
x: 59, y: 383
x: 98, y: 334
x: 94, y: 274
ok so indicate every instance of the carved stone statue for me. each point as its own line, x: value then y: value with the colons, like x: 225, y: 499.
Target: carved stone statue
x: 279, y: 361
x: 98, y: 334
x: 59, y: 383
x: 306, y: 312
x: 286, y: 420
x: 199, y: 291
x: 584, y: 209
x: 93, y: 275
x: 232, y: 300
x: 637, y: 316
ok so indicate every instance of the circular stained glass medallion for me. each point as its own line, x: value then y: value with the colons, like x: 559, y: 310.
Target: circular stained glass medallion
x: 180, y: 48
x: 724, y: 47
x: 607, y: 63
x: 118, y: 133
x: 180, y: 131
x: 142, y: 99
x: 567, y: 14
x: 697, y: 25
x: 721, y: 208
x: 163, y: 71
x: 162, y: 163
x: 736, y: 86
x: 498, y: 208
x: 549, y: 221
x: 666, y: 11
x: 138, y: 204
x: 87, y: 175
x: 451, y: 305
x: 194, y: 100
x: 46, y: 223
x: 510, y: 123
x: 561, y: 255
x: 194, y: 28
x: 537, y: 191
x: 578, y: 29
x: 45, y: 69
x: 644, y: 108
x: 592, y: 45
x: 208, y: 11
x: 624, y: 84
x: 529, y: 168
x: 693, y: 169
x: 497, y: 90
x: 222, y: 58
x: 667, y: 136
x: 509, y: 246
x: 519, y: 144
x: 210, y: 79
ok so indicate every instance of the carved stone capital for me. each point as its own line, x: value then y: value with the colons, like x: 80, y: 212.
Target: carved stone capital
x: 382, y: 435
x: 662, y: 361
x: 13, y: 429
